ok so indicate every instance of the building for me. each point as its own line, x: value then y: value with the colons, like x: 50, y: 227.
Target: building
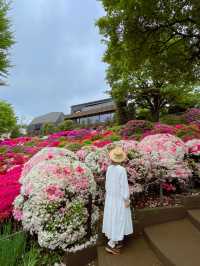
x: 54, y: 118
x: 92, y: 112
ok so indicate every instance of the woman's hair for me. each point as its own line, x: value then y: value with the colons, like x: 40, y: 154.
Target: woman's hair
x: 115, y: 163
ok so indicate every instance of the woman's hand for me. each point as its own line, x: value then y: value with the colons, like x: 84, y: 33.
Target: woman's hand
x: 127, y: 203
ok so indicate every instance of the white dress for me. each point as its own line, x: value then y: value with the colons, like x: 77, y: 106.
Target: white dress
x: 117, y: 220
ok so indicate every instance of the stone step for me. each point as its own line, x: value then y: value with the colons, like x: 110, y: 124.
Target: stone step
x: 176, y: 243
x: 136, y: 252
x: 194, y: 216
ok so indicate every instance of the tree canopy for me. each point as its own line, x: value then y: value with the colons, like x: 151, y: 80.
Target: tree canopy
x: 153, y: 51
x: 6, y: 38
x: 8, y: 119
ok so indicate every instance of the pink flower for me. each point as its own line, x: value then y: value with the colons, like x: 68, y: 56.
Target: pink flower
x: 80, y: 170
x: 17, y: 214
x: 67, y: 171
x: 54, y: 192
x: 50, y: 156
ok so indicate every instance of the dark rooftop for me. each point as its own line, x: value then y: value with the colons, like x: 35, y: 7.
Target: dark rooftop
x: 47, y: 118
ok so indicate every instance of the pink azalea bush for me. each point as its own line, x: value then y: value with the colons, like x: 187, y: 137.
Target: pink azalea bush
x: 135, y: 126
x: 10, y: 188
x: 193, y: 146
x: 53, y: 202
x: 165, y: 147
x: 192, y: 115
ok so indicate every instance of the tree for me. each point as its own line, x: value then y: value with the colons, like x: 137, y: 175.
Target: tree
x: 153, y: 52
x: 164, y: 32
x: 6, y: 39
x: 8, y: 119
x: 16, y: 132
x: 147, y: 92
x: 66, y: 125
x: 48, y: 128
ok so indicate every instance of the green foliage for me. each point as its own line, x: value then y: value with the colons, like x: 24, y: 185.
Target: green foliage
x: 6, y: 39
x: 31, y: 257
x: 11, y: 247
x: 172, y: 119
x: 66, y: 125
x: 30, y: 144
x: 15, y: 132
x: 114, y: 138
x: 144, y: 114
x: 7, y: 118
x: 166, y: 33
x: 73, y: 147
x: 17, y: 250
x: 18, y: 149
x: 48, y: 128
x: 3, y: 150
x: 87, y: 142
x: 116, y: 129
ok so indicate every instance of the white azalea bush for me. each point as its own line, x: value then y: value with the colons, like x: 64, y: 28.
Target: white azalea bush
x: 126, y: 145
x: 98, y: 161
x: 194, y: 146
x: 84, y: 151
x: 47, y: 153
x: 57, y: 202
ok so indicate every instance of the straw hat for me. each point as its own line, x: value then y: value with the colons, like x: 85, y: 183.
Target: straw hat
x: 117, y: 155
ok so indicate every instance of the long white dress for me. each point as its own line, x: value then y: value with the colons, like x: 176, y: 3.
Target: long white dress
x: 117, y: 220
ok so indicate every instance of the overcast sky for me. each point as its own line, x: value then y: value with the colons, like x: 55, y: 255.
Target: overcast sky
x: 57, y: 56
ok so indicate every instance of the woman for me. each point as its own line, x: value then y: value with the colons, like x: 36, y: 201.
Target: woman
x: 117, y: 220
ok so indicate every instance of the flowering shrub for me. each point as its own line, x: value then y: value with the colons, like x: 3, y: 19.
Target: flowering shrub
x: 129, y: 146
x: 47, y: 154
x: 167, y: 152
x: 56, y: 202
x: 160, y: 129
x: 188, y: 132
x: 84, y: 151
x: 192, y: 115
x: 193, y: 146
x: 9, y: 190
x: 166, y: 148
x: 98, y: 161
x: 135, y: 127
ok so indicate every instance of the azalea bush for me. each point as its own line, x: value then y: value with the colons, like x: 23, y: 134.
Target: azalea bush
x: 188, y: 132
x: 56, y: 201
x: 192, y: 115
x: 135, y: 127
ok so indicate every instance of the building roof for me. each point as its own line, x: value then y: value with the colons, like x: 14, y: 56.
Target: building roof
x: 95, y: 111
x: 47, y: 118
x: 94, y: 102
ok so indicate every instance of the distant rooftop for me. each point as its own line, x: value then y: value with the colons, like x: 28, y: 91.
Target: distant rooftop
x: 52, y: 117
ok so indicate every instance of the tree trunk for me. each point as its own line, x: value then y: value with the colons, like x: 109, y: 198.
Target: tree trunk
x: 156, y: 108
x: 122, y: 116
x: 155, y: 113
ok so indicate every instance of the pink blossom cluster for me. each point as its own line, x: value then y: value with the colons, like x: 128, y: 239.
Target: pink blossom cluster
x: 10, y: 188
x: 193, y: 146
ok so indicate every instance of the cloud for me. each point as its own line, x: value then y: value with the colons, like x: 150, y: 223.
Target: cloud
x: 57, y: 56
